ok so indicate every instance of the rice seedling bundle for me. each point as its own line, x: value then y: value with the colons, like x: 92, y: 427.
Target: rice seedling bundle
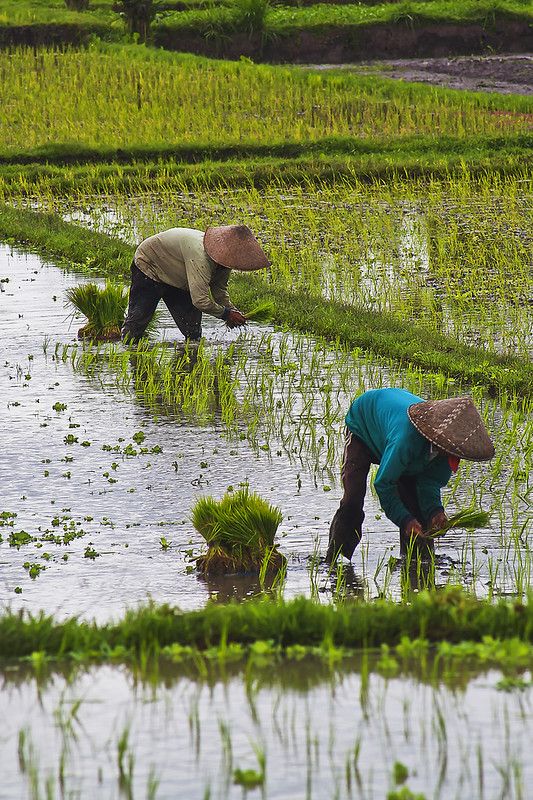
x: 470, y: 519
x: 239, y: 531
x: 262, y: 312
x: 104, y: 308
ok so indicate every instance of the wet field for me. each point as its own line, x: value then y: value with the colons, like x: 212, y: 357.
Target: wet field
x: 96, y: 511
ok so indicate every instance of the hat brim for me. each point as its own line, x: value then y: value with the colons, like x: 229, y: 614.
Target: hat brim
x: 453, y: 425
x: 235, y: 247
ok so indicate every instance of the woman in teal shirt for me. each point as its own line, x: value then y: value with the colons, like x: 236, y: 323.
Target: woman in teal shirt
x: 417, y: 444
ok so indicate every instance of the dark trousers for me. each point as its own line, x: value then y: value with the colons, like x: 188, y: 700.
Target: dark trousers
x: 346, y: 527
x: 145, y: 295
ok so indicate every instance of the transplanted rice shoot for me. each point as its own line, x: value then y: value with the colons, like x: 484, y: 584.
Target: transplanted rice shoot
x: 470, y: 519
x: 262, y: 312
x: 239, y: 531
x: 104, y: 308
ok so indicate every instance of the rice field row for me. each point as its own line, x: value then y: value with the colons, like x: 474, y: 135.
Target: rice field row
x: 120, y: 97
x: 413, y: 249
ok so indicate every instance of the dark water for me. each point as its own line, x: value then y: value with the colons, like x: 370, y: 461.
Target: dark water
x: 120, y: 506
x: 323, y: 732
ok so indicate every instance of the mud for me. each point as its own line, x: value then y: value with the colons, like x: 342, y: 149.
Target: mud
x: 506, y: 74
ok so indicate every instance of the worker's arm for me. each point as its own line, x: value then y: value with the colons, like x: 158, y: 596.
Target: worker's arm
x: 199, y: 277
x: 429, y: 485
x: 219, y: 287
x: 394, y: 461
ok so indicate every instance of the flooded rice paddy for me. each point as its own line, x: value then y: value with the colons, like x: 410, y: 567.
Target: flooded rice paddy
x: 303, y: 730
x: 415, y: 251
x: 102, y: 476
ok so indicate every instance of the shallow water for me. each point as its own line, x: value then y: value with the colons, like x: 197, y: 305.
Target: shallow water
x: 324, y: 732
x: 116, y: 507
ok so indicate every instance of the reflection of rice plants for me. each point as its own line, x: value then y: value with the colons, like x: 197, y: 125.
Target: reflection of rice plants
x: 104, y: 308
x: 239, y: 531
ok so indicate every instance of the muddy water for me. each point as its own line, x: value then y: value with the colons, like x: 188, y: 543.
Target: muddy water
x: 113, y: 509
x: 322, y: 736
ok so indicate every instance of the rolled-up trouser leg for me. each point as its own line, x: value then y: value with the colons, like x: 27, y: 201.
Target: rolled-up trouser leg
x: 407, y: 489
x: 187, y: 317
x: 145, y: 294
x: 346, y: 527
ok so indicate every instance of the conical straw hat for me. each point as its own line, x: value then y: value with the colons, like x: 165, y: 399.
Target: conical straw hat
x: 454, y: 425
x: 236, y: 247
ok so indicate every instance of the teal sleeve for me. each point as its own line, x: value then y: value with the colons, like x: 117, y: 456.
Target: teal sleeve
x: 392, y: 466
x: 429, y: 484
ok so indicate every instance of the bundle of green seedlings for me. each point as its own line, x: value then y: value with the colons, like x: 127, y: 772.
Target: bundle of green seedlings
x: 239, y: 531
x: 104, y: 308
x: 262, y: 312
x: 470, y: 519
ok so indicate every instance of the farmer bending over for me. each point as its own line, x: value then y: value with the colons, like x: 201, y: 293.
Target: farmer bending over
x: 189, y: 270
x: 417, y: 444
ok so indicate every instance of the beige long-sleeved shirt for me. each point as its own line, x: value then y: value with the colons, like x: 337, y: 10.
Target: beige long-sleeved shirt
x: 177, y: 257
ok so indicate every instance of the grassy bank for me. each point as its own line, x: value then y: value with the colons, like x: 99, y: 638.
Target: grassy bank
x: 76, y: 181
x: 427, y: 151
x: 380, y: 333
x: 231, y: 25
x: 432, y: 617
x: 282, y: 20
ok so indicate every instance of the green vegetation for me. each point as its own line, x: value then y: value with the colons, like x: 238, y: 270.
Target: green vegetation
x: 116, y: 98
x: 171, y: 24
x: 470, y: 519
x: 104, y: 308
x: 462, y: 624
x: 239, y: 530
x: 354, y: 325
x: 281, y: 20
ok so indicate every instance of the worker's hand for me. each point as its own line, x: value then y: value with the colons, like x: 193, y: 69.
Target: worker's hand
x: 413, y: 528
x: 438, y: 521
x: 235, y: 319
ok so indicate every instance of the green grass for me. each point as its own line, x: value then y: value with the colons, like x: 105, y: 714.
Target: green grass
x: 425, y: 150
x: 379, y: 333
x: 228, y: 16
x: 282, y: 20
x: 433, y: 617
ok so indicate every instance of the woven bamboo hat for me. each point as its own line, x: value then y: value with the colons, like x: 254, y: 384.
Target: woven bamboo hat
x: 236, y: 247
x: 454, y: 425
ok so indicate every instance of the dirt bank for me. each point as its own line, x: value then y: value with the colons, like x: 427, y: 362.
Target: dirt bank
x: 508, y: 74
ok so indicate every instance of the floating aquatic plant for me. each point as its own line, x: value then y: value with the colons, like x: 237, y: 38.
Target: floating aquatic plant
x: 239, y: 531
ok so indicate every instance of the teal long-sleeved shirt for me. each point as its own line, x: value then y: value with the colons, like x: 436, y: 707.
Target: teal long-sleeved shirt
x: 379, y: 418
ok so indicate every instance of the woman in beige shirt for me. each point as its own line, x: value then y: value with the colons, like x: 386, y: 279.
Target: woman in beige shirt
x: 189, y: 270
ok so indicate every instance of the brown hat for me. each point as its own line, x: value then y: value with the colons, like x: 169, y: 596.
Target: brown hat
x: 235, y: 246
x: 454, y: 425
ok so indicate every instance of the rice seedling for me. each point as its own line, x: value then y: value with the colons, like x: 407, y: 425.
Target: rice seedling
x: 248, y: 103
x: 239, y: 530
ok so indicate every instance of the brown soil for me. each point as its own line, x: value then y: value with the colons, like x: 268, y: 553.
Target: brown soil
x: 345, y: 44
x: 508, y: 74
